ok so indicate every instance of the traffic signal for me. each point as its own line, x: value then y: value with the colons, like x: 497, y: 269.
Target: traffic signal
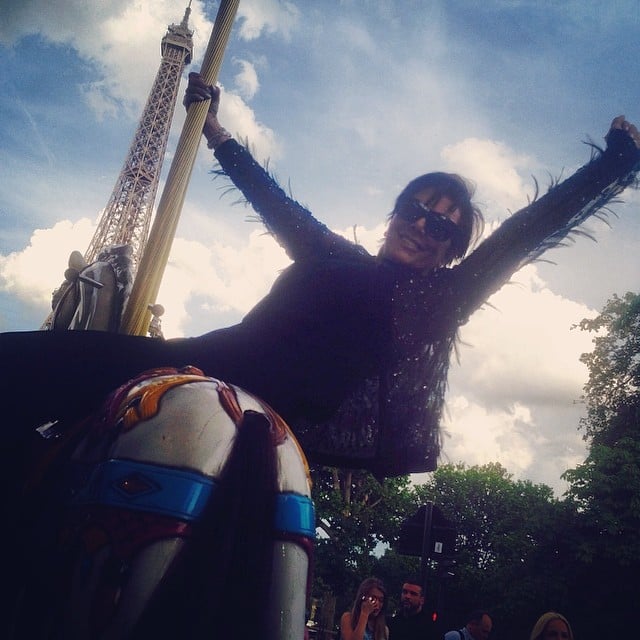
x: 427, y: 531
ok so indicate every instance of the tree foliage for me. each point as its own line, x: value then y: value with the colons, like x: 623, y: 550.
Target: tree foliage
x: 614, y: 368
x: 506, y: 532
x: 356, y: 514
x: 606, y: 487
x: 506, y: 535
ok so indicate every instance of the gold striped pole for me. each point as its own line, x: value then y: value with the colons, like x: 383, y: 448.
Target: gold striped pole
x: 136, y: 316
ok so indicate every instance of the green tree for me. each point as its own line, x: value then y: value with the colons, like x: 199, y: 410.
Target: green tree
x: 356, y: 515
x: 614, y: 368
x: 509, y: 556
x: 606, y: 487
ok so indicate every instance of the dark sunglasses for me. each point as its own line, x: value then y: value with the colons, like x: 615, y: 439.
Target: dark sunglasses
x: 438, y: 226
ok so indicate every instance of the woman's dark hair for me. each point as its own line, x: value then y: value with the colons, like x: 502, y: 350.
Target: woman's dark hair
x: 363, y: 590
x: 460, y: 191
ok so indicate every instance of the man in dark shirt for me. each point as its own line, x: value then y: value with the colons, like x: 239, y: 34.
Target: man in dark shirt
x: 412, y: 621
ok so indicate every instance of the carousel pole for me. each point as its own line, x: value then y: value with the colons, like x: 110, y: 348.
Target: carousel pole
x: 136, y: 316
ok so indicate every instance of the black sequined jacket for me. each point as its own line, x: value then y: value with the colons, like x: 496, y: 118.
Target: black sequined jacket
x: 355, y: 350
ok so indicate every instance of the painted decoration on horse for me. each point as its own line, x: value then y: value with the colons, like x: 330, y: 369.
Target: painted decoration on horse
x: 182, y: 497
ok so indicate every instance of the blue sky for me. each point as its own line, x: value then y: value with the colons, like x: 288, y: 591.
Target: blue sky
x: 348, y: 101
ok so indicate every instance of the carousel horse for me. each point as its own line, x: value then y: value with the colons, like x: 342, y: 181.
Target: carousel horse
x: 93, y: 294
x: 181, y: 508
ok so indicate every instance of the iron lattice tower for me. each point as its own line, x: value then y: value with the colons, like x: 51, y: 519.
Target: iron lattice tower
x: 127, y: 217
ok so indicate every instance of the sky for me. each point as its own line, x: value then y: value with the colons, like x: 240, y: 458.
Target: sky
x: 347, y: 100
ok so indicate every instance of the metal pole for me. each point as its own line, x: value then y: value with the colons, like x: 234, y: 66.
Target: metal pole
x: 426, y: 544
x: 145, y: 288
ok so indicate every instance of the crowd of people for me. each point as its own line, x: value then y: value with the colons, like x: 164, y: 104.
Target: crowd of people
x: 368, y: 620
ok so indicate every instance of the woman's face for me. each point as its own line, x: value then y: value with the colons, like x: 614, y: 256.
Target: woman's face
x: 556, y: 630
x: 410, y: 244
x: 376, y: 598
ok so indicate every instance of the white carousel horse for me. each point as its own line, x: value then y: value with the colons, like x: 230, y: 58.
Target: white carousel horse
x: 182, y: 498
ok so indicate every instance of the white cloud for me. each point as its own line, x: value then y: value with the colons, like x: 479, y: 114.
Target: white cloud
x: 109, y: 35
x: 477, y: 435
x: 268, y: 16
x: 51, y: 19
x: 495, y: 168
x: 241, y: 121
x: 33, y: 274
x: 515, y: 393
x: 116, y: 33
x: 223, y: 278
x: 246, y: 80
x: 357, y: 37
x: 520, y: 438
x: 133, y: 34
x: 524, y: 347
x: 101, y: 102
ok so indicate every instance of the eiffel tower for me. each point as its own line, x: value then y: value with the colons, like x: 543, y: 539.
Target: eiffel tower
x: 127, y: 216
x: 126, y: 219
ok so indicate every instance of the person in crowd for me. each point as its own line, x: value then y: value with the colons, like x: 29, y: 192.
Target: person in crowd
x: 351, y: 349
x: 551, y: 626
x: 365, y: 620
x: 412, y: 621
x: 478, y: 627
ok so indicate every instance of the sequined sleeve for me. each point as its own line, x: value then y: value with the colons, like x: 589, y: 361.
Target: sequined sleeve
x: 292, y: 225
x: 545, y: 223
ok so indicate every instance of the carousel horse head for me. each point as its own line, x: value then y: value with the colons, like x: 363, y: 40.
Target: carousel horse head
x: 187, y: 513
